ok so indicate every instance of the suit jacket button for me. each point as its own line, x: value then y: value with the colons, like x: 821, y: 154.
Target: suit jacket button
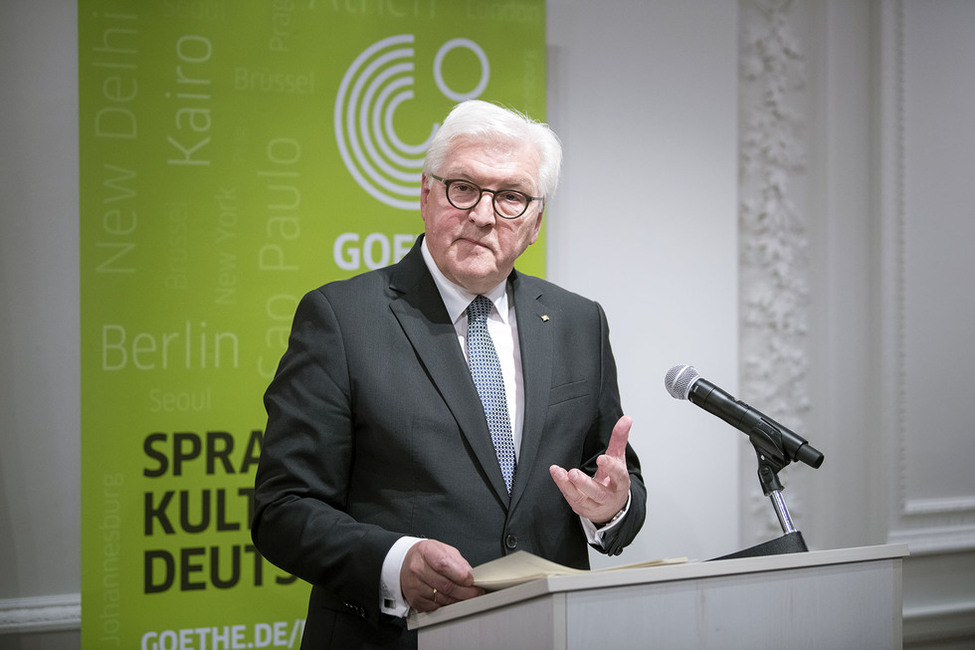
x: 511, y: 542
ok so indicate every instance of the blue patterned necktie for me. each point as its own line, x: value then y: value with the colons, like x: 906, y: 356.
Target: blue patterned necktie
x: 489, y: 382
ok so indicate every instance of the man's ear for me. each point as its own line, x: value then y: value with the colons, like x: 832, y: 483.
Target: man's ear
x: 424, y: 194
x: 538, y: 224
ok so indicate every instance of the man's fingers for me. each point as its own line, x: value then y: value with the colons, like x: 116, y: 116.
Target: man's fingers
x: 612, y: 464
x: 436, y: 574
x: 619, y: 438
x: 578, y: 489
x: 568, y: 486
x: 446, y: 561
x: 610, y: 470
x: 570, y: 482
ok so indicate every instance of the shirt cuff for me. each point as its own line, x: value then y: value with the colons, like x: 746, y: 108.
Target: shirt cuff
x: 594, y: 535
x: 393, y: 602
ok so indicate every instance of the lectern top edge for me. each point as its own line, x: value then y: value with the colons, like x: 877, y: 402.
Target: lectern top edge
x: 669, y: 573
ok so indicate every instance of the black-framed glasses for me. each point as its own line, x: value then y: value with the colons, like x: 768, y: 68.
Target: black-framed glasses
x: 464, y: 195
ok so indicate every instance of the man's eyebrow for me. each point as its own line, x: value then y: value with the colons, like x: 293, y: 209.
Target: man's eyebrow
x: 523, y: 183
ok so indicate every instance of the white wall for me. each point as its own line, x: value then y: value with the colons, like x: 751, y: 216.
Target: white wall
x: 927, y: 227
x: 644, y: 96
x: 39, y: 337
x: 879, y: 97
x: 40, y: 571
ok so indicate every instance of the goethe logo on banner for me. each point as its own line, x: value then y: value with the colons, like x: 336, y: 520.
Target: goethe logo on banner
x: 235, y: 155
x: 379, y: 80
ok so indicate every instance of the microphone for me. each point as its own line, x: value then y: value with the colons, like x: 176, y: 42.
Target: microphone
x: 767, y: 435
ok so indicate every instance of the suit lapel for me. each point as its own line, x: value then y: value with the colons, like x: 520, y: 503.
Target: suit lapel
x: 535, y: 342
x: 423, y: 317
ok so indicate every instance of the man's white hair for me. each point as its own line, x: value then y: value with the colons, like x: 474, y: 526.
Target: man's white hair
x: 478, y: 120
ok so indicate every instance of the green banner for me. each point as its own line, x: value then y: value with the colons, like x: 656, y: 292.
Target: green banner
x: 235, y: 155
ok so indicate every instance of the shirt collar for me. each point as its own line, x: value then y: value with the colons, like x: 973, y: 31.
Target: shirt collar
x: 456, y: 298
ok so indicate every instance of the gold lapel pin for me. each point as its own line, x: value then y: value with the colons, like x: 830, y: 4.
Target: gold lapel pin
x: 545, y: 318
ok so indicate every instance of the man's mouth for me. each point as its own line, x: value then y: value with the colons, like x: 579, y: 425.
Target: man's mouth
x: 475, y: 242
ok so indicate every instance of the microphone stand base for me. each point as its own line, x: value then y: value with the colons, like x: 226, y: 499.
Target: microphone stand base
x: 788, y: 543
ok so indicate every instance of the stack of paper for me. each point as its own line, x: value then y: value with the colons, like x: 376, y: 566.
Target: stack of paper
x: 522, y: 566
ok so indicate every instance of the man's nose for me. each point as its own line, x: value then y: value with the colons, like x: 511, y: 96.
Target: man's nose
x: 482, y: 212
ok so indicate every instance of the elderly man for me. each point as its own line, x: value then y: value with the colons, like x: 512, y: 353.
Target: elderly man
x: 446, y: 410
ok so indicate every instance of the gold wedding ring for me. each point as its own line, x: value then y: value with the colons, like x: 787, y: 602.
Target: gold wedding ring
x: 434, y: 595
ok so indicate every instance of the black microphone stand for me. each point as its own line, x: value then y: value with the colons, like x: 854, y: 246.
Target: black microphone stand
x: 769, y: 465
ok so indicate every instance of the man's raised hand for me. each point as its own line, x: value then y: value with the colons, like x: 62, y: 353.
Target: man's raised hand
x: 598, y: 498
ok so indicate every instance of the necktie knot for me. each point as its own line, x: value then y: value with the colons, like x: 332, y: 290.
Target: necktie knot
x: 479, y: 308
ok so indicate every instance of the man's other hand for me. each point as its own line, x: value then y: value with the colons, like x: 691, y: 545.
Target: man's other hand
x: 600, y: 497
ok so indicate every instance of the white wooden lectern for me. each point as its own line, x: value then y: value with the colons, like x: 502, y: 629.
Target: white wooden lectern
x: 846, y: 598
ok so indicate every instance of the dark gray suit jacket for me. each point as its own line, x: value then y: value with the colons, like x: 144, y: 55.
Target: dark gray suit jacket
x: 375, y: 431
